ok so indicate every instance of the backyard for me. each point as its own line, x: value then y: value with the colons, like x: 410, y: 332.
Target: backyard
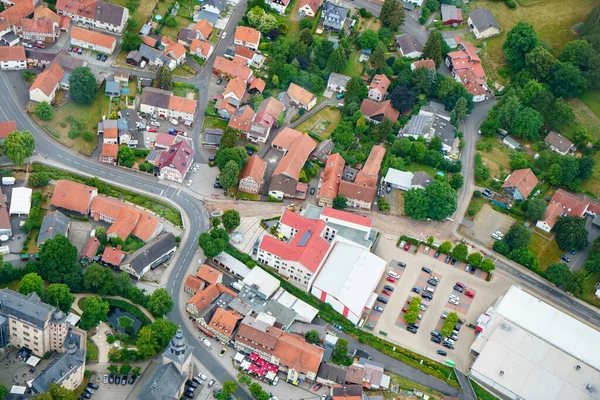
x: 322, y: 123
x: 354, y: 67
x: 185, y: 89
x: 545, y: 249
x: 495, y: 155
x: 215, y: 123
x: 141, y: 14
x: 121, y: 102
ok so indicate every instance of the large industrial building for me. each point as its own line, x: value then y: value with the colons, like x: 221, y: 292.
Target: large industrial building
x: 527, y: 349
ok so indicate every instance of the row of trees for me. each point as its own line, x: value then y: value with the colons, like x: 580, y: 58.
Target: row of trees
x: 449, y: 324
x: 461, y: 253
x: 55, y: 293
x: 515, y: 244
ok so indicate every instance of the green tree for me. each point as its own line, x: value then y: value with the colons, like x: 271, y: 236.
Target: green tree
x: 163, y: 330
x: 60, y: 393
x: 340, y: 202
x: 94, y: 310
x: 392, y: 14
x: 442, y: 200
x: 338, y: 60
x: 460, y: 252
x: 445, y: 247
x: 30, y: 283
x: 244, y: 379
x: 433, y: 48
x: 58, y: 263
x: 536, y: 209
x: 3, y: 391
x: 377, y: 58
x: 558, y: 274
x: 255, y: 389
x: 98, y: 279
x: 228, y: 139
x: 131, y: 41
x: 229, y: 387
x: 340, y: 352
x: 160, y: 303
x: 170, y: 21
x: 113, y: 369
x: 518, y: 236
x: 237, y: 154
x: 487, y: 265
x: 586, y: 167
x: 461, y: 108
x: 18, y: 147
x: 416, y: 204
x: 137, y: 371
x: 125, y: 369
x: 44, y: 111
x: 539, y: 62
x: 82, y: 85
x: 449, y: 324
x: 412, y: 312
x: 146, y: 343
x: 230, y: 175
x: 571, y: 233
x: 520, y: 40
x: 213, y: 243
x: 475, y: 259
x: 59, y: 293
x: 231, y: 219
x: 312, y: 336
x: 582, y: 54
x: 356, y: 90
x: 566, y: 80
x: 38, y: 179
x: 126, y: 156
x: 402, y: 99
x: 576, y: 282
x: 457, y: 181
x: 215, y: 222
x: 164, y: 78
x: 368, y: 39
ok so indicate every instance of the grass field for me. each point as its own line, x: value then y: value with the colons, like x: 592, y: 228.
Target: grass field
x: 184, y: 92
x: 332, y: 116
x: 369, y: 23
x: 211, y: 122
x: 354, y: 68
x: 590, y: 289
x: 591, y: 98
x: 475, y: 206
x: 142, y: 13
x: 12, y: 285
x: 551, y: 19
x: 481, y: 393
x: 547, y: 250
x: 92, y: 351
x: 497, y: 160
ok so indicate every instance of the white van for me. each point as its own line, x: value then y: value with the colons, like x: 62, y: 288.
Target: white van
x: 8, y: 180
x: 236, y: 285
x: 394, y: 275
x: 205, y: 342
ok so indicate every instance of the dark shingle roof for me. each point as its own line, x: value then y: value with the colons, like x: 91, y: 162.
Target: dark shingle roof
x: 109, y: 13
x: 156, y: 97
x: 164, y: 383
x: 29, y: 308
x: 153, y: 253
x: 483, y: 19
x: 53, y: 224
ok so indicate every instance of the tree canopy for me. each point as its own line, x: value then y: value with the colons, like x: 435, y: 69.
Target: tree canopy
x: 392, y: 14
x: 44, y: 111
x: 571, y: 233
x: 520, y: 40
x: 160, y: 303
x: 518, y: 236
x: 402, y: 99
x: 433, y: 48
x: 231, y: 219
x: 30, y: 283
x: 94, y: 310
x: 230, y: 174
x: 58, y: 263
x: 82, y: 85
x: 213, y: 243
x: 164, y: 78
x: 18, y: 146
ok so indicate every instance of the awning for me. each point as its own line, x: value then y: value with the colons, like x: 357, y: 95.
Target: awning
x: 239, y: 357
x: 33, y: 361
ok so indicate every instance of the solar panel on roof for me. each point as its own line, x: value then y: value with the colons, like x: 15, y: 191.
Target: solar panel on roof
x: 304, y: 239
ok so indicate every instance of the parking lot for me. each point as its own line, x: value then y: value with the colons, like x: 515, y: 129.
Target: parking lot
x: 489, y: 221
x: 390, y: 323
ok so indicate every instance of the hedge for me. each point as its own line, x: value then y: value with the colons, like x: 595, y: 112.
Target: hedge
x: 131, y: 308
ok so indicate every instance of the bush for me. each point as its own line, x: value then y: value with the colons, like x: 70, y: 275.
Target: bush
x: 511, y: 4
x: 38, y: 179
x: 88, y: 136
x: 44, y: 111
x: 477, y: 194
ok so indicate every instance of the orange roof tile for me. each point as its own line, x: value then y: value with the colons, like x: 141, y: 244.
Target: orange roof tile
x: 182, y: 104
x: 48, y: 80
x: 204, y: 27
x: 6, y: 128
x: 247, y: 35
x: 300, y: 94
x: 146, y: 227
x: 286, y: 137
x: 21, y: 9
x: 255, y: 167
x: 149, y: 41
x: 111, y: 133
x: 332, y: 176
x: 258, y: 84
x: 171, y: 46
x: 237, y: 87
x: 244, y: 52
x: 209, y: 274
x: 15, y: 53
x: 294, y: 352
x: 43, y: 12
x: 198, y: 46
x: 372, y: 108
x: 73, y: 196
x: 40, y: 26
x: 242, y: 118
x: 125, y: 222
x: 194, y: 283
x: 313, y: 4
x: 106, y: 206
x: 90, y: 249
x: 228, y: 67
x: 381, y: 83
x: 204, y: 297
x: 523, y: 179
x: 369, y: 173
x: 224, y: 321
x: 291, y: 164
x: 110, y: 150
x: 113, y: 256
x: 96, y: 38
x: 429, y: 64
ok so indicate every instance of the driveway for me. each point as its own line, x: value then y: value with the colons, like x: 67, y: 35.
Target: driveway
x: 489, y: 221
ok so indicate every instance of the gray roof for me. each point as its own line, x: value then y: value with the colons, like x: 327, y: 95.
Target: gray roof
x: 69, y: 63
x: 283, y: 315
x: 483, y: 19
x: 300, y: 328
x: 9, y: 37
x: 409, y: 43
x: 65, y: 79
x: 151, y: 54
x: 222, y: 301
x: 347, y: 390
x: 154, y: 253
x: 163, y: 384
x: 212, y: 138
x: 156, y: 97
x: 53, y: 224
x: 408, y: 5
x: 178, y: 349
x: 240, y: 306
x: 512, y: 142
x: 108, y: 123
x: 129, y: 120
x: 25, y: 308
x: 145, y: 30
x: 438, y: 107
x: 450, y: 12
x: 441, y: 113
x: 112, y: 87
x: 39, y: 55
x: 258, y: 129
x: 422, y: 179
x: 596, y: 220
x: 333, y: 373
x: 134, y: 55
x: 334, y: 15
x: 187, y: 35
x: 65, y: 364
x: 444, y: 130
x: 338, y: 80
x: 207, y: 15
x: 109, y: 13
x: 219, y: 4
x: 349, y: 173
x: 418, y: 125
x: 322, y: 150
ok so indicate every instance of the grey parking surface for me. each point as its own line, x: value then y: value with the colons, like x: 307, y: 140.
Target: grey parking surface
x: 489, y: 221
x: 272, y: 158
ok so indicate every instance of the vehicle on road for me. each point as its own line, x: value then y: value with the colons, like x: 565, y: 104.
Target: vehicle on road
x: 394, y: 275
x: 312, y: 191
x: 338, y: 327
x: 317, y: 386
x: 425, y: 269
x: 223, y: 351
x: 205, y: 342
x: 401, y: 264
x: 224, y: 35
x: 565, y: 258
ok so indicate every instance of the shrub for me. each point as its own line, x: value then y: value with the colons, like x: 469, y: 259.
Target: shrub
x: 511, y: 4
x: 88, y: 136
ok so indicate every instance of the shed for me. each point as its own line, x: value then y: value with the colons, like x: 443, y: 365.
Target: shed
x: 134, y: 58
x: 212, y: 137
x: 112, y: 88
x: 20, y: 202
x: 451, y: 14
x: 399, y: 179
x: 511, y: 143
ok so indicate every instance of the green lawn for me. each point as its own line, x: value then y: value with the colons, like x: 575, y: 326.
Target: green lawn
x: 590, y: 290
x: 184, y: 91
x: 354, y: 68
x: 481, y: 393
x: 293, y: 24
x: 498, y: 159
x: 475, y: 206
x: 92, y: 351
x: 551, y: 19
x: 591, y: 98
x: 328, y: 118
x: 142, y: 13
x: 546, y: 250
x: 415, y: 167
x: 216, y: 123
x: 12, y: 285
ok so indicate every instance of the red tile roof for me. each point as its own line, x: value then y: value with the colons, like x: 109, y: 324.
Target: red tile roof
x: 48, y: 80
x: 125, y: 222
x: 523, y: 179
x: 244, y: 52
x: 247, y: 35
x: 255, y: 168
x: 110, y: 150
x: 346, y: 216
x: 372, y: 108
x: 179, y: 156
x: 113, y: 256
x: 111, y: 133
x: 73, y: 196
x: 149, y: 41
x: 6, y: 128
x: 225, y: 321
x: 242, y: 119
x: 237, y: 87
x: 313, y: 4
x: 96, y: 38
x: 332, y: 176
x: 291, y: 164
x: 286, y: 137
x: 228, y: 67
x: 360, y: 192
x: 106, y: 207
x: 198, y: 46
x: 182, y: 104
x: 300, y: 94
x: 369, y: 173
x: 572, y: 204
x: 429, y: 64
x: 147, y: 225
x: 258, y: 84
x: 39, y: 26
x: 381, y: 83
x: 193, y: 283
x: 204, y: 27
x: 173, y: 47
x: 209, y: 274
x: 43, y: 12
x: 15, y: 53
x: 295, y: 353
x: 90, y: 249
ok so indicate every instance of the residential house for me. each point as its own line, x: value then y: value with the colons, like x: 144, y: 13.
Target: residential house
x: 112, y: 257
x: 269, y: 113
x: 520, y: 183
x: 46, y: 84
x: 185, y: 36
x: 309, y: 8
x: 420, y: 180
x: 257, y: 86
x: 285, y: 181
x: 72, y: 196
x: 559, y: 144
x: 337, y: 82
x: 564, y: 203
x: 6, y: 128
x: 121, y: 77
x: 202, y: 49
x: 332, y: 375
x: 285, y: 138
x: 153, y: 254
x: 333, y: 16
x: 409, y: 46
x: 224, y: 323
x: 465, y: 65
x: 134, y: 58
x: 483, y: 24
x: 247, y: 37
x: 322, y: 151
x: 241, y: 119
x: 365, y: 54
x: 301, y: 97
x: 243, y: 55
x: 204, y: 29
x: 199, y: 302
x: 175, y: 163
x: 232, y: 97
x: 251, y: 177
x: 54, y: 223
x: 95, y: 13
x: 174, y: 49
x: 212, y: 138
x: 89, y: 251
x: 129, y: 127
x: 361, y: 191
x: 166, y: 105
x: 112, y: 89
x: 397, y: 179
x: 152, y: 56
x: 428, y: 64
x: 38, y: 30
x: 12, y: 57
x: 300, y: 257
x: 164, y: 141
x: 376, y: 112
x: 210, y: 11
x: 93, y: 40
x: 431, y: 123
x: 329, y: 182
x: 451, y: 14
x: 38, y: 59
x: 378, y: 88
x: 230, y: 69
x: 110, y: 153
x: 278, y: 5
x: 193, y: 284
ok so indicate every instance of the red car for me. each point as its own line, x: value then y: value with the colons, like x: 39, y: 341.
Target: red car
x: 390, y: 279
x: 404, y: 309
x: 460, y: 284
x: 75, y: 49
x: 39, y: 46
x: 152, y: 130
x: 407, y: 247
x: 386, y: 293
x: 470, y: 294
x: 317, y: 386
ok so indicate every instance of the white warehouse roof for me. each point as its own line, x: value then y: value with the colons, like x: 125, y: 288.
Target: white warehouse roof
x: 530, y: 350
x: 261, y: 281
x: 306, y: 312
x: 20, y: 201
x: 401, y: 179
x: 350, y: 274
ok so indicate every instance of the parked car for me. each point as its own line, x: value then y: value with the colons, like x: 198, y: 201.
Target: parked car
x: 462, y: 285
x: 174, y: 121
x: 388, y: 288
x: 453, y: 261
x: 425, y: 269
x: 70, y: 49
x: 312, y: 191
x: 427, y: 296
x: 27, y: 45
x: 390, y: 279
x: 447, y: 260
x: 437, y: 254
x: 224, y: 35
x: 223, y: 351
x: 111, y: 379
x: 416, y: 290
x: 426, y: 250
x: 249, y: 152
x: 386, y: 293
x: 104, y: 57
x: 448, y: 345
x: 154, y: 123
x: 402, y: 243
x: 388, y: 189
x: 497, y: 235
x: 472, y: 270
x: 86, y: 395
x: 124, y: 380
x: 404, y: 309
x: 317, y: 386
x: 467, y: 268
x: 442, y: 353
x: 470, y: 294
x: 459, y: 289
x: 429, y: 289
x: 382, y: 300
x: 434, y: 278
x: 93, y: 386
x: 98, y: 56
x: 565, y: 258
x: 407, y: 247
x: 211, y: 383
x: 80, y: 51
x: 205, y: 342
x: 132, y: 379
x: 432, y: 282
x: 117, y: 379
x: 436, y: 333
x: 411, y: 329
x: 436, y: 339
x: 377, y: 308
x: 189, y: 183
x: 401, y: 264
x: 105, y: 380
x: 152, y: 130
x: 212, y: 158
x: 487, y: 193
x: 394, y: 275
x: 338, y: 327
x: 218, y: 185
x: 423, y: 307
x: 453, y: 301
x: 89, y: 390
x: 39, y: 46
x: 219, y: 81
